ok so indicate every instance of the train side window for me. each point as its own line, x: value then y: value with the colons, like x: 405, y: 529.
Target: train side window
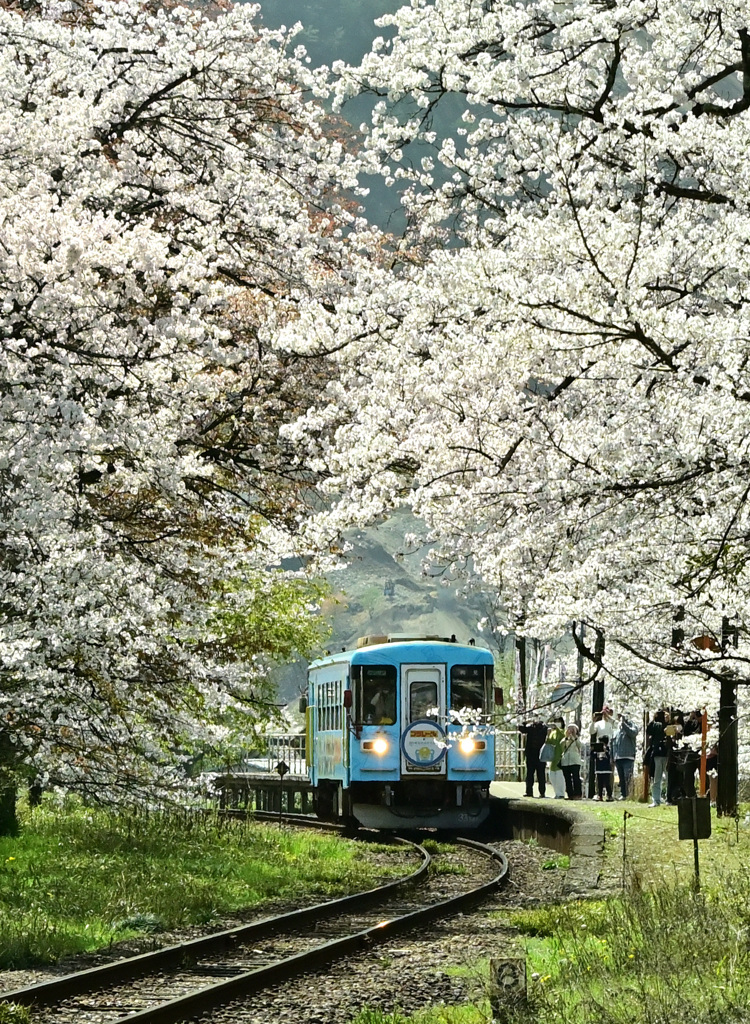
x: 423, y: 699
x: 379, y: 694
x: 355, y: 681
x: 469, y: 687
x: 329, y: 704
x: 319, y: 705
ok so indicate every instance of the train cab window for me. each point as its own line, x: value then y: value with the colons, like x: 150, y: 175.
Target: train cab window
x: 470, y: 686
x: 379, y: 694
x: 423, y: 699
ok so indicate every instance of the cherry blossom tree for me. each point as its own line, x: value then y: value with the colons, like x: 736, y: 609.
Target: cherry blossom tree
x: 169, y: 193
x: 557, y: 373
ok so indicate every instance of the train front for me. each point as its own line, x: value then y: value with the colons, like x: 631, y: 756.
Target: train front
x: 422, y: 751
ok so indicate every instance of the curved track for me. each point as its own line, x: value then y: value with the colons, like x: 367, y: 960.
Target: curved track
x: 192, y: 978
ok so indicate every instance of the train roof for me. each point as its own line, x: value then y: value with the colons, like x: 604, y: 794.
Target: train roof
x: 392, y: 650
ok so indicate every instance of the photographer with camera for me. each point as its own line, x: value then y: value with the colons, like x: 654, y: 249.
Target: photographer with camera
x: 535, y: 732
x: 623, y: 752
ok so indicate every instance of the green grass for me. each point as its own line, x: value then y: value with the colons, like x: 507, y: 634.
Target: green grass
x: 656, y: 952
x: 645, y: 850
x: 11, y: 1013
x: 81, y: 879
x: 468, y: 1014
x: 561, y: 861
x: 442, y: 867
x: 651, y: 957
x: 634, y: 959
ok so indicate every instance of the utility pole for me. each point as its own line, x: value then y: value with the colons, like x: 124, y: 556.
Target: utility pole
x: 521, y: 688
x: 726, y: 793
x: 597, y: 701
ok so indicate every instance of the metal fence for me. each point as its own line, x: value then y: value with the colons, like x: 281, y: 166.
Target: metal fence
x: 508, y: 757
x: 290, y: 748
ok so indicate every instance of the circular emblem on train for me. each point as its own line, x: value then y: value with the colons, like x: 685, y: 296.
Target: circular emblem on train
x: 423, y: 743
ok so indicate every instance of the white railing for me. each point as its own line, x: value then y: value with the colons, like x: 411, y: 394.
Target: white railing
x: 289, y: 748
x: 508, y: 756
x: 286, y: 748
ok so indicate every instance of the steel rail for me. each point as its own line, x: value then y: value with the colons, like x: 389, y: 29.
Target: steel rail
x: 195, y: 1003
x: 57, y: 989
x: 203, y: 1000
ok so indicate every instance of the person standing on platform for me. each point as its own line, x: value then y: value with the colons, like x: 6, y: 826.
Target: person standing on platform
x: 535, y: 733
x: 571, y: 760
x: 675, y: 761
x: 603, y: 770
x: 603, y: 725
x: 623, y: 752
x: 656, y: 746
x: 555, y: 737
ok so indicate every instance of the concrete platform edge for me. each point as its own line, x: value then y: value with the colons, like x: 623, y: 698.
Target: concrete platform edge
x: 557, y: 827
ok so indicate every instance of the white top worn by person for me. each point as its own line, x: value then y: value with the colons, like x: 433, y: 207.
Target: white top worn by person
x: 605, y: 726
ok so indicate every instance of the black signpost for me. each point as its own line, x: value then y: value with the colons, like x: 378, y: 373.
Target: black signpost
x: 281, y: 768
x: 694, y: 822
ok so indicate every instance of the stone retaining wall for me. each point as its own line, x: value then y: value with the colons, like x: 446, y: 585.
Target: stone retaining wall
x: 555, y: 825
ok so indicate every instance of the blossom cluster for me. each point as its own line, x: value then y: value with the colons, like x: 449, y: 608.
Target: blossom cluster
x: 167, y: 191
x: 561, y: 393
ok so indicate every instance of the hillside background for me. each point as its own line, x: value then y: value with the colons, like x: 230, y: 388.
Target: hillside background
x: 384, y: 589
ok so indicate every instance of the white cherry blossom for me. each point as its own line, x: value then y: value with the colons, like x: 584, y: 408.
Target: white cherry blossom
x: 562, y: 391
x: 168, y: 194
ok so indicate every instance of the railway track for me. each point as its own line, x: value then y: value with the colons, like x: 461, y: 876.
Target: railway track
x: 183, y: 982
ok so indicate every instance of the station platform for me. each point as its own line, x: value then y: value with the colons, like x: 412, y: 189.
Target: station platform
x: 508, y: 790
x: 517, y: 791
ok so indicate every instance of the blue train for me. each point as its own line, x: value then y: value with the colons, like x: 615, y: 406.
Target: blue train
x: 399, y: 733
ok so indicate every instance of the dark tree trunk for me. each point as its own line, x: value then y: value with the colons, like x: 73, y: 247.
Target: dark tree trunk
x: 597, y: 703
x: 726, y: 794
x: 522, y: 682
x: 8, y: 785
x: 521, y: 685
x: 8, y: 813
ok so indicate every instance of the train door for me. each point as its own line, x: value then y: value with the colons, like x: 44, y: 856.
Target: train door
x: 423, y: 741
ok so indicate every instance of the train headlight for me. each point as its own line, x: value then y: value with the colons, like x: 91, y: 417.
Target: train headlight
x: 377, y: 746
x: 467, y: 745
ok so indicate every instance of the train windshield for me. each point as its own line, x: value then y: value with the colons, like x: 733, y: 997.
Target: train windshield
x: 469, y: 686
x: 379, y: 694
x: 423, y: 699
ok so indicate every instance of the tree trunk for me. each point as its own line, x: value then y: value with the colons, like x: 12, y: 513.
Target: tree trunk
x: 520, y: 689
x: 521, y: 682
x: 597, y: 703
x: 8, y: 813
x: 8, y: 785
x: 726, y: 796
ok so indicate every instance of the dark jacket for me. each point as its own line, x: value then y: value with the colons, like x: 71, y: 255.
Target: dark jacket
x: 536, y: 734
x: 603, y: 762
x: 656, y: 739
